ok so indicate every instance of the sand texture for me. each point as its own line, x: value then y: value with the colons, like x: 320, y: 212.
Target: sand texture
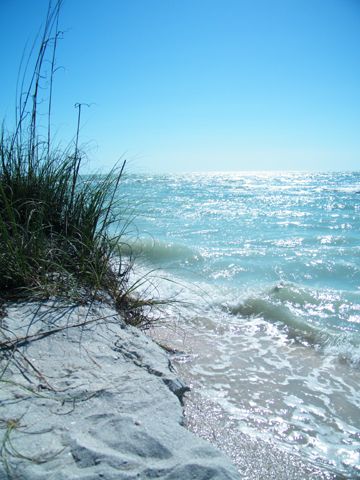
x: 97, y: 401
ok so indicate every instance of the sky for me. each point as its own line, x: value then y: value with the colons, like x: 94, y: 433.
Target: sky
x: 200, y: 85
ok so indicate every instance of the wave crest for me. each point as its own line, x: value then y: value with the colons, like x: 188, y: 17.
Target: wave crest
x: 294, y: 309
x: 157, y: 251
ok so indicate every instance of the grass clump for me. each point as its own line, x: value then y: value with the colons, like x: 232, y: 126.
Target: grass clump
x: 54, y: 223
x: 54, y: 226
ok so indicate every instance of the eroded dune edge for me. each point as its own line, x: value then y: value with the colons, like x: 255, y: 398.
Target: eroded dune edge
x: 85, y: 396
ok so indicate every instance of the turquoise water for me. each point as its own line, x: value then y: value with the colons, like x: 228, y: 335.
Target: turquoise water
x: 267, y: 266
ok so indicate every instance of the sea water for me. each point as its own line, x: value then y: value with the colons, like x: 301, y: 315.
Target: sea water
x: 265, y: 271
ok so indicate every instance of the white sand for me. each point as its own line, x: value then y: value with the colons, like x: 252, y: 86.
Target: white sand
x: 93, y: 402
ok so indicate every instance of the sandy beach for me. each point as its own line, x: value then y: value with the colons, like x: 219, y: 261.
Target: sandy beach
x: 85, y: 396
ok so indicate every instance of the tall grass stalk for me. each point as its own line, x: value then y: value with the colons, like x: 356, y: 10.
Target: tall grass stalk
x: 54, y: 223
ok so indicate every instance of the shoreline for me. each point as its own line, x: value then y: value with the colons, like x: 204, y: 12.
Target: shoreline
x: 86, y: 396
x: 253, y: 456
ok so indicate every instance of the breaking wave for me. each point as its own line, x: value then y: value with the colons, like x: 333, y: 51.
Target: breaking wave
x: 298, y: 310
x: 157, y: 251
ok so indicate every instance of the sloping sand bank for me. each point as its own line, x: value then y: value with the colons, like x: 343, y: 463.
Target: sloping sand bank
x: 87, y: 397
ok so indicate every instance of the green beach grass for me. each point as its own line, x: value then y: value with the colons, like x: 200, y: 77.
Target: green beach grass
x: 54, y: 222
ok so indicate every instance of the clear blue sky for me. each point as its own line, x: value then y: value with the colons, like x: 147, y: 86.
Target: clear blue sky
x: 190, y: 85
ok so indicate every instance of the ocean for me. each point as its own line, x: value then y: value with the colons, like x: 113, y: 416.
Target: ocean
x: 262, y: 274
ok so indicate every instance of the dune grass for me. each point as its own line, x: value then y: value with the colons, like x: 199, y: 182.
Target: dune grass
x: 53, y: 225
x: 54, y: 222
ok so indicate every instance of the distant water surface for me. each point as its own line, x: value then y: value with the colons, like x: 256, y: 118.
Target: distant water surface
x: 268, y: 268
